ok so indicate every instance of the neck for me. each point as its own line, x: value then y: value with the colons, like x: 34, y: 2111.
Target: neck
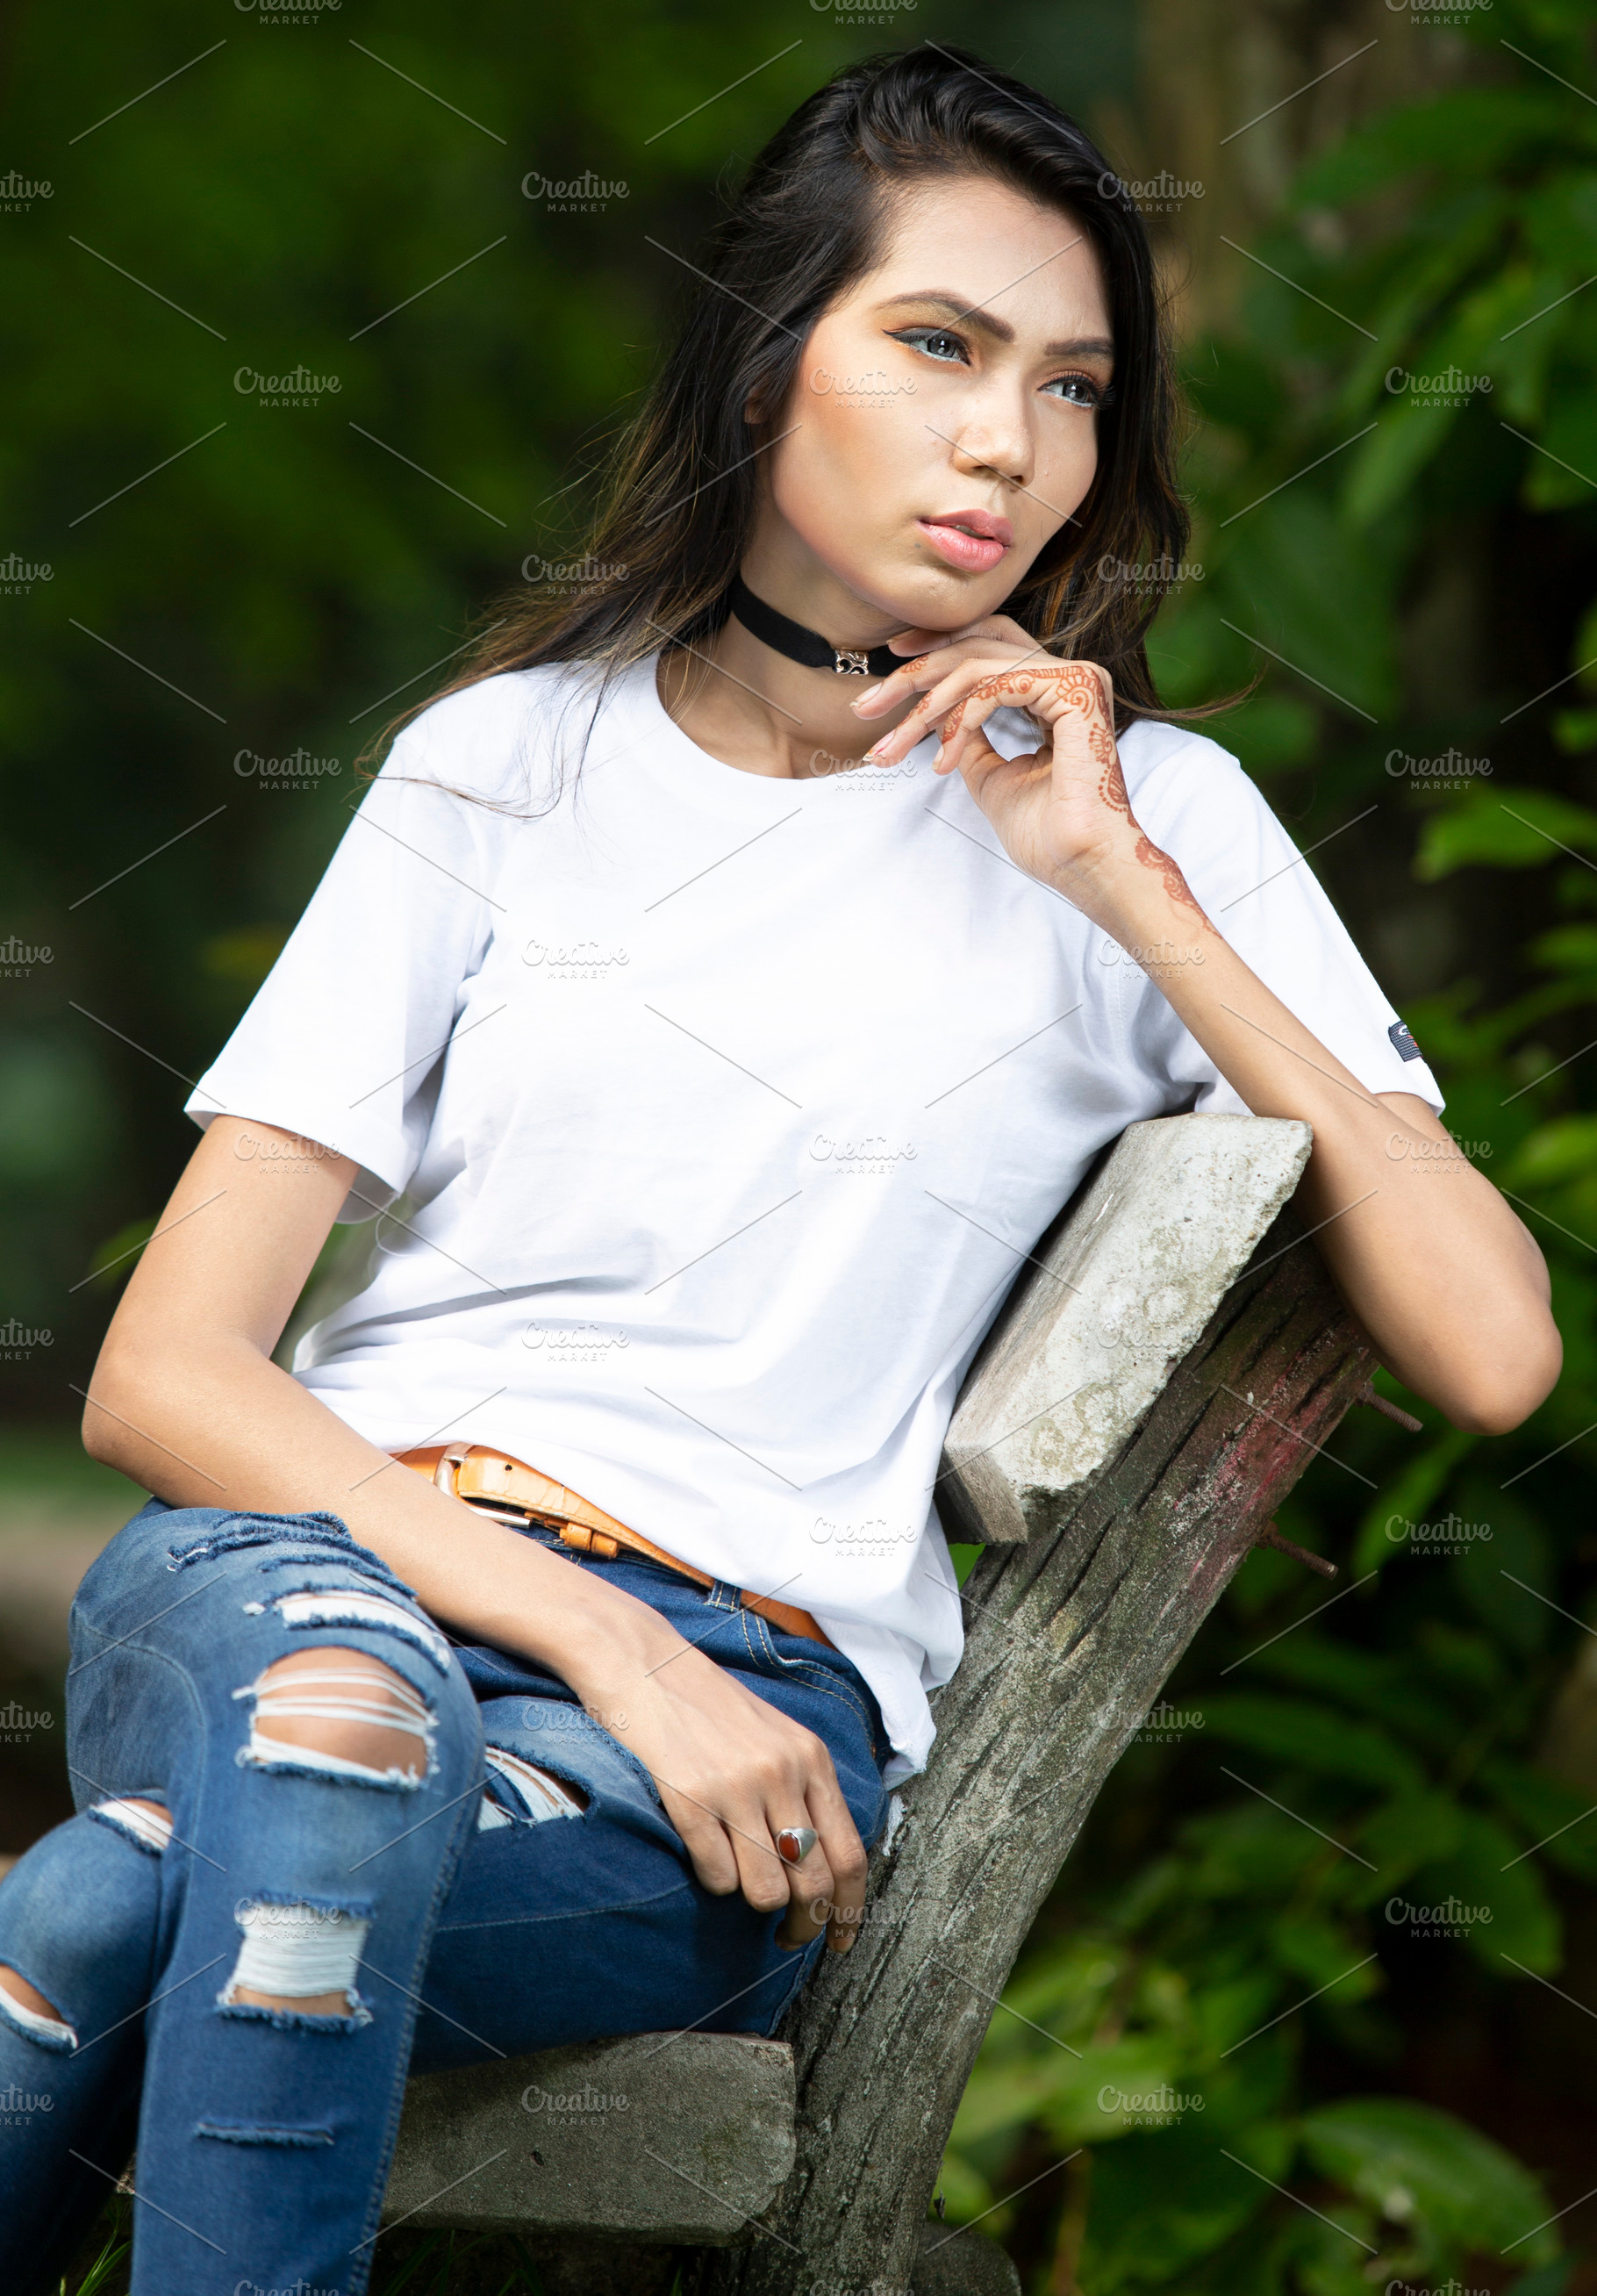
x: 753, y: 708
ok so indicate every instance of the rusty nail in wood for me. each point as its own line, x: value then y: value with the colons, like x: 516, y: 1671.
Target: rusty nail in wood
x: 1271, y: 1536
x: 1367, y: 1394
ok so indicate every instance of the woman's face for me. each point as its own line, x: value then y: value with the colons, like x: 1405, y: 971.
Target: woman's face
x: 943, y: 422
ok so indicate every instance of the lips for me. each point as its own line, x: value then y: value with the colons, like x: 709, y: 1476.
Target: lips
x: 972, y: 539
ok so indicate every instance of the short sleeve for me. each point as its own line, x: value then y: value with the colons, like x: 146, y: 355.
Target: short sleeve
x: 343, y: 1041
x: 1196, y: 803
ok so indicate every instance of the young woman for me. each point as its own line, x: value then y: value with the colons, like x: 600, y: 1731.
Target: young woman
x: 727, y: 1025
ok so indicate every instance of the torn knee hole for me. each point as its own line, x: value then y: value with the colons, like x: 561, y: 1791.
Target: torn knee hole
x: 28, y: 2008
x: 518, y: 1788
x: 339, y: 1713
x: 299, y: 1961
x: 147, y: 1823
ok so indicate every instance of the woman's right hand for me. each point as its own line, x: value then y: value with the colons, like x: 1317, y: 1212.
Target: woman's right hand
x: 733, y: 1772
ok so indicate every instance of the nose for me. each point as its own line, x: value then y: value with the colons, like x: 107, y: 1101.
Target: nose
x: 993, y: 440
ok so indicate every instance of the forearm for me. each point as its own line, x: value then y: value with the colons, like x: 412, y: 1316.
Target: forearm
x: 218, y: 1423
x: 1442, y: 1274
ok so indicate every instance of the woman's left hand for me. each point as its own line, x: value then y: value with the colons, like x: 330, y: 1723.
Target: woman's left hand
x: 1061, y: 810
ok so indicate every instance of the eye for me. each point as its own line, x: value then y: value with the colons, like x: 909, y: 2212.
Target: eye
x: 1080, y: 391
x: 937, y: 342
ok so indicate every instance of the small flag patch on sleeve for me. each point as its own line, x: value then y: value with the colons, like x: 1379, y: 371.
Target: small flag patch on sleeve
x: 1403, y: 1042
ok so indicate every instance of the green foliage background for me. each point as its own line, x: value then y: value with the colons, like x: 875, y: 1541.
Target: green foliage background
x: 1376, y: 2102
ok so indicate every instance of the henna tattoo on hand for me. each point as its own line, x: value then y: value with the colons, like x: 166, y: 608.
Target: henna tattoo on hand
x: 1077, y: 687
x: 1175, y: 884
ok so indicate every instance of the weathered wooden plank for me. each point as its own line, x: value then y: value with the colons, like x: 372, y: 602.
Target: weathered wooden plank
x: 667, y: 2138
x: 1114, y: 1295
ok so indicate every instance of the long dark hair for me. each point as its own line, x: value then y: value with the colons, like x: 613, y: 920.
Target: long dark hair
x: 678, y: 504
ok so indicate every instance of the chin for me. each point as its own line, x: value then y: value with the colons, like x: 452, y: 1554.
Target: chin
x: 932, y: 596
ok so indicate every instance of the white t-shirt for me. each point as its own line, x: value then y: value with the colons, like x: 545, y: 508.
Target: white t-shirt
x: 725, y: 1109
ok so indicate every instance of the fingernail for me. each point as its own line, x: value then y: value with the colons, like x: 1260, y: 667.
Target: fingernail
x: 869, y: 694
x: 937, y: 755
x: 874, y: 756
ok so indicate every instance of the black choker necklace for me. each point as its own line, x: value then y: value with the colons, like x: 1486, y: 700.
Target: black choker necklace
x: 793, y: 640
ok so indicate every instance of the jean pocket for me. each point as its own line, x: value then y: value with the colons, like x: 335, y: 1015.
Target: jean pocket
x: 805, y: 1672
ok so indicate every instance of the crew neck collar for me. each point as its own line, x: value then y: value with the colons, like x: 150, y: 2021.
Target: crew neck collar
x: 653, y: 736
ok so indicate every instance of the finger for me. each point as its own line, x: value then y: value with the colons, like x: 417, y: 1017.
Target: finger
x: 730, y: 1844
x: 942, y: 651
x: 769, y: 1883
x: 940, y: 682
x: 845, y: 1859
x: 811, y: 1885
x: 921, y: 670
x: 838, y: 1859
x: 1053, y: 694
x: 705, y: 1838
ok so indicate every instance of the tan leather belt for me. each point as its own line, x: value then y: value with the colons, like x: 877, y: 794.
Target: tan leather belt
x: 511, y: 1490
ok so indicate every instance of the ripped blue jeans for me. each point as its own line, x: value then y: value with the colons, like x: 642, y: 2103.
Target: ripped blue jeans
x: 511, y: 1884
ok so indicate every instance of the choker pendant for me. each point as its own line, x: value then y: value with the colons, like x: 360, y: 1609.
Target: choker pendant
x: 807, y: 647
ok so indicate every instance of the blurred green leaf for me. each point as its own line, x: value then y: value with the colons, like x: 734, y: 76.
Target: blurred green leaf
x: 1412, y: 2161
x: 1525, y: 833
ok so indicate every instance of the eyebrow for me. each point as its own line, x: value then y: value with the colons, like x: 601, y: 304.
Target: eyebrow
x: 988, y: 323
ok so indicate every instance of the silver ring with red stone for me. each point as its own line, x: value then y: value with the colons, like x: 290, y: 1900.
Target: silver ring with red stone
x: 795, y: 1842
